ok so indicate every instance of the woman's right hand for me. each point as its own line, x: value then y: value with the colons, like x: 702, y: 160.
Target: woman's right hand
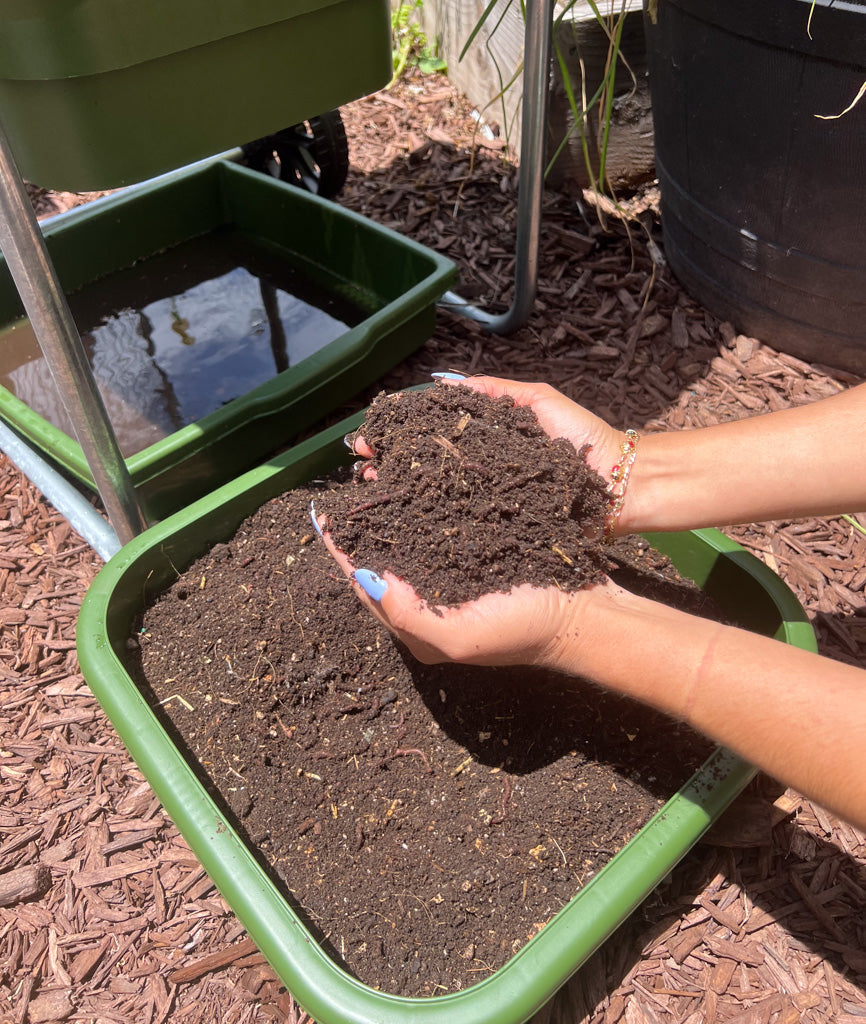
x: 558, y: 416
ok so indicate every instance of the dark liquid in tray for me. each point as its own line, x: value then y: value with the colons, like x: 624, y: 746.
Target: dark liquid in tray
x: 181, y: 333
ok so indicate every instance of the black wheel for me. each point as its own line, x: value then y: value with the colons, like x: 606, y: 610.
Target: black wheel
x: 313, y: 155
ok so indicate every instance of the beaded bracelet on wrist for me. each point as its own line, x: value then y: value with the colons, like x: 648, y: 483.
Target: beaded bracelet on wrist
x: 619, y: 482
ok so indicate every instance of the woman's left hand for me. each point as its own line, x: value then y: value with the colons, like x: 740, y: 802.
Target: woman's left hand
x: 525, y: 626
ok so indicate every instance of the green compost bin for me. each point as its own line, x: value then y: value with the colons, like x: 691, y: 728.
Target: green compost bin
x: 100, y: 93
x: 393, y: 282
x: 745, y: 588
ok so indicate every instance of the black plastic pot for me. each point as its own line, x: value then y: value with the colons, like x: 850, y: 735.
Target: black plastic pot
x: 762, y: 198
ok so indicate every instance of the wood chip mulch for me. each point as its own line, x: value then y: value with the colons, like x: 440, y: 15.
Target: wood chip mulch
x: 106, y: 916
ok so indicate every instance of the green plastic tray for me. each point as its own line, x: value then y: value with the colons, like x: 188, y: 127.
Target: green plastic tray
x: 746, y: 589
x: 101, y: 93
x: 331, y: 243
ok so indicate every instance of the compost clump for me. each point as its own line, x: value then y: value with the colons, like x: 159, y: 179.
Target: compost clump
x: 470, y: 495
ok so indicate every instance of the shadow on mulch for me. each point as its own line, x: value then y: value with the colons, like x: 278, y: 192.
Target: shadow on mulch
x: 609, y: 328
x: 666, y: 929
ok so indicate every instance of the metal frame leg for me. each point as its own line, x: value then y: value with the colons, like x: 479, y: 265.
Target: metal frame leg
x: 536, y: 70
x: 68, y: 500
x: 45, y: 303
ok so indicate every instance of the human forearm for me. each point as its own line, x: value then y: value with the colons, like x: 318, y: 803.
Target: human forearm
x: 797, y: 462
x: 794, y: 714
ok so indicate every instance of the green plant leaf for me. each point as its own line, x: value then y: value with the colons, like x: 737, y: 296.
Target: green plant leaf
x: 488, y: 10
x: 409, y: 47
x: 855, y: 524
x: 432, y: 65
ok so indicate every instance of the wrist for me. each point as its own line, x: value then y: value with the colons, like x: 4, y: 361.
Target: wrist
x: 584, y: 630
x: 634, y: 646
x: 617, y: 488
x: 651, y: 500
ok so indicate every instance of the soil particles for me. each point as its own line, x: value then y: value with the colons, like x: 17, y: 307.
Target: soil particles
x: 476, y: 493
x: 424, y: 821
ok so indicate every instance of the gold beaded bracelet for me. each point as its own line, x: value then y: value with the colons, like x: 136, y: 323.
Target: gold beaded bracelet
x: 619, y: 481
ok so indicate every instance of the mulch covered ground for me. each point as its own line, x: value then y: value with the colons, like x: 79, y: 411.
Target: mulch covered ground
x: 105, y: 915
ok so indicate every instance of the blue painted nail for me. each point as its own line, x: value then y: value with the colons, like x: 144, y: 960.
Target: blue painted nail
x: 449, y: 376
x: 373, y: 584
x: 315, y: 521
x: 349, y: 442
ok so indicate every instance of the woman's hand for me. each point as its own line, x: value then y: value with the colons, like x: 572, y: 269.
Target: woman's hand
x: 526, y: 626
x: 557, y: 415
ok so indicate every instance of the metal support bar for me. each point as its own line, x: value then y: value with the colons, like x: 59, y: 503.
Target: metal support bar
x: 45, y: 303
x: 69, y: 502
x: 536, y: 86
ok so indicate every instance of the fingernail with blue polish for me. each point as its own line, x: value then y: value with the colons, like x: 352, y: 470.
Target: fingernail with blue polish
x: 349, y: 442
x: 372, y: 584
x: 315, y: 521
x: 449, y: 376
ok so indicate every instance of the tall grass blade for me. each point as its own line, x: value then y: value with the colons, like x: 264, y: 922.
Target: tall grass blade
x: 488, y: 10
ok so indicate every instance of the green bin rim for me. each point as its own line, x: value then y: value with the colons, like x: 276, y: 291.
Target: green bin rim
x: 326, y: 991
